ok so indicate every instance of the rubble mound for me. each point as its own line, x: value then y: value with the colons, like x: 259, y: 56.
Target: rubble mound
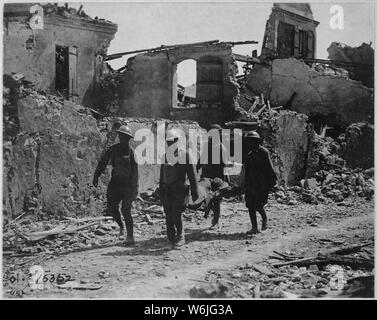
x: 48, y: 164
x: 357, y: 145
x: 328, y: 175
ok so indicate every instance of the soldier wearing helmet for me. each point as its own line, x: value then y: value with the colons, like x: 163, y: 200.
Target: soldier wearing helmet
x: 174, y: 191
x: 213, y: 170
x: 123, y: 186
x: 260, y: 178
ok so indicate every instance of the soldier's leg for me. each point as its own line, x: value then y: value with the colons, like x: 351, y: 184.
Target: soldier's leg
x: 113, y: 200
x: 264, y: 217
x: 170, y: 229
x: 216, y: 211
x: 177, y: 210
x: 253, y: 219
x: 126, y: 212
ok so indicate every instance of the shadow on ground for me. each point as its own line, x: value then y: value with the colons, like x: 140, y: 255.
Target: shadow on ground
x: 159, y: 246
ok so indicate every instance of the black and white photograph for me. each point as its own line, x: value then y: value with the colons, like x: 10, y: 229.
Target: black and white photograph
x: 203, y: 151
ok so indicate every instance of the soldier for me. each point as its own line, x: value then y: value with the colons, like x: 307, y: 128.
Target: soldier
x: 215, y: 173
x: 260, y: 178
x: 174, y: 192
x: 123, y: 186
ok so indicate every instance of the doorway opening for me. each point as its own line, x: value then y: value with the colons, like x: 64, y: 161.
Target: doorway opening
x: 62, y: 71
x: 186, y: 83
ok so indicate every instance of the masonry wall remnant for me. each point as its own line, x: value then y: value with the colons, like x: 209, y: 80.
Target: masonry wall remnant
x: 338, y: 99
x: 360, y: 60
x: 64, y: 39
x: 49, y: 165
x: 150, y: 85
x: 290, y: 31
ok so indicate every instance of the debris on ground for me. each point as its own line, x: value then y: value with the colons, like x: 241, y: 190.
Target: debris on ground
x: 29, y: 235
x: 342, y: 271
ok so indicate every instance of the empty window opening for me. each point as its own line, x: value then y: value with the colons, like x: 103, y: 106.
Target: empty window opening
x: 66, y: 71
x: 62, y: 71
x: 286, y: 40
x: 186, y: 83
x: 303, y: 46
x: 293, y: 41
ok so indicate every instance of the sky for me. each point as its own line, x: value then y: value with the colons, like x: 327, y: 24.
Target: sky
x: 151, y: 24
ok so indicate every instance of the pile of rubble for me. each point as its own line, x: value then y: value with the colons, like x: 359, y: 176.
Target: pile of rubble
x: 28, y: 234
x: 344, y: 271
x: 67, y: 12
x: 333, y: 185
x: 335, y: 169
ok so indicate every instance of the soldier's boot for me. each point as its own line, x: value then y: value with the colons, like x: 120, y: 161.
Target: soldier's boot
x: 129, y: 241
x: 130, y: 229
x: 118, y: 220
x: 253, y: 231
x: 254, y: 223
x: 216, y: 215
x: 180, y: 241
x: 170, y: 229
x: 264, y: 219
x: 121, y: 234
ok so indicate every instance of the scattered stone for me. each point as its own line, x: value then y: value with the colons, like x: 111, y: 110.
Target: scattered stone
x: 313, y: 267
x: 103, y: 274
x: 100, y: 232
x: 218, y: 290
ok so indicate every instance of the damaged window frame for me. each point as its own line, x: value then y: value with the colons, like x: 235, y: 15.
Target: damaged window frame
x: 68, y: 90
x: 189, y: 102
x: 209, y: 73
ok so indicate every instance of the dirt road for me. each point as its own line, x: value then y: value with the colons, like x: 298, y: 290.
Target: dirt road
x: 151, y: 269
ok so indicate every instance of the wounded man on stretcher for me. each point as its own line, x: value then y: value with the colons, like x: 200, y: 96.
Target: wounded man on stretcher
x: 211, y: 191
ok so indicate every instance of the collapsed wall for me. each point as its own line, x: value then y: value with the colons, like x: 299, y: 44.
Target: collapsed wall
x: 357, y: 145
x: 362, y: 56
x: 149, y: 84
x: 292, y: 82
x: 285, y: 135
x: 49, y: 164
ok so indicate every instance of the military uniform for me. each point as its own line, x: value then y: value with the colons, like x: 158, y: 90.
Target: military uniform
x: 260, y: 178
x: 175, y: 195
x: 214, y: 172
x: 123, y: 186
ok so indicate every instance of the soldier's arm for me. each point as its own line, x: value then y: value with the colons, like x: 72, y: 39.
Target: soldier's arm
x: 101, y: 166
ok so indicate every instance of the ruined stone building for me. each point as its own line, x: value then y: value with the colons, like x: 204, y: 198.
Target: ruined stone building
x: 58, y: 49
x: 290, y: 31
x: 335, y: 92
x: 150, y: 84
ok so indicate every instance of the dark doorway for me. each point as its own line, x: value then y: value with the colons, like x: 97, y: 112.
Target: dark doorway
x: 62, y: 71
x: 210, y: 82
x: 285, y: 41
x: 303, y: 39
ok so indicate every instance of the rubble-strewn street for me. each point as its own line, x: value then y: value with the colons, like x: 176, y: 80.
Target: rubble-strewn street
x: 211, y: 260
x: 114, y: 178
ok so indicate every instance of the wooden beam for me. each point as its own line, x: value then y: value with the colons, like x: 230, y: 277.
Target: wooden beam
x: 243, y: 58
x: 160, y: 48
x: 237, y: 43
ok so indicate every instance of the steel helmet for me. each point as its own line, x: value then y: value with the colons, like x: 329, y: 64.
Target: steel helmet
x: 125, y: 130
x: 216, y: 126
x: 173, y: 134
x: 253, y: 135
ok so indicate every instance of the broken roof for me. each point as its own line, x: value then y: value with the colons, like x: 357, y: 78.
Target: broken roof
x: 49, y: 9
x: 302, y: 9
